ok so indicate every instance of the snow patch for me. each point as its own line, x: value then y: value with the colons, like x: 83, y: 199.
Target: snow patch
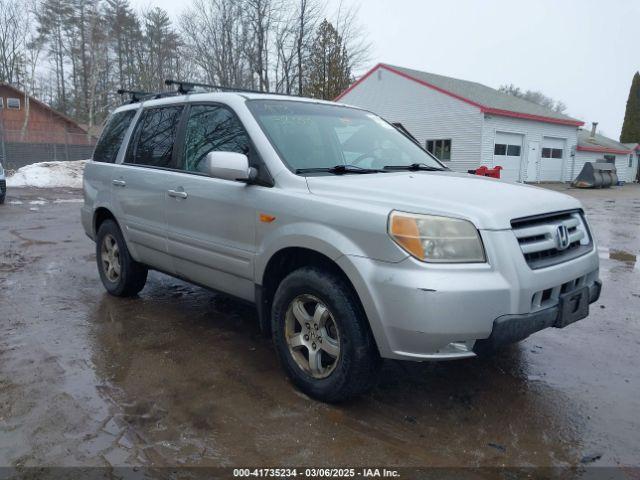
x: 49, y: 175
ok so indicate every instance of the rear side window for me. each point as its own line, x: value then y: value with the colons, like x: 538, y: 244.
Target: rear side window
x: 112, y: 135
x: 154, y: 137
x: 212, y: 128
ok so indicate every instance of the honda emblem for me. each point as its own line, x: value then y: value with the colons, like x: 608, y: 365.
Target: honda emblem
x: 563, y: 237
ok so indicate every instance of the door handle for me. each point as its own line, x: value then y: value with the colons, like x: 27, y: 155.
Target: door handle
x: 119, y: 183
x: 178, y: 194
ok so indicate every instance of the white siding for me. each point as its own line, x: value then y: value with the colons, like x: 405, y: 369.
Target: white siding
x: 425, y: 112
x: 533, y: 132
x: 625, y: 173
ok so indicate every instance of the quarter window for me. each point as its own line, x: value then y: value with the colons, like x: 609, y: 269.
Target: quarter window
x: 112, y: 135
x: 154, y: 137
x: 552, y: 152
x: 212, y: 128
x: 441, y: 149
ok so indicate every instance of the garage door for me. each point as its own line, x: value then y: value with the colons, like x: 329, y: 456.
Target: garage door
x: 552, y: 159
x: 507, y: 152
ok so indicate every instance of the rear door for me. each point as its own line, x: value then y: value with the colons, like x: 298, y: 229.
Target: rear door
x: 141, y: 182
x: 212, y: 222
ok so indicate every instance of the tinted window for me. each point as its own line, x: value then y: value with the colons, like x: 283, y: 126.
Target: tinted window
x: 500, y: 149
x: 212, y: 128
x: 154, y: 137
x: 112, y: 135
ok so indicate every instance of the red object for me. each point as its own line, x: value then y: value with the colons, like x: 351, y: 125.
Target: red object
x: 489, y: 172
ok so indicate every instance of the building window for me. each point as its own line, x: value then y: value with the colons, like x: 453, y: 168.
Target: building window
x: 1, y: 102
x: 504, y: 149
x: 13, y: 103
x: 610, y: 158
x: 552, y: 152
x: 441, y: 149
x: 630, y: 160
x: 513, y: 150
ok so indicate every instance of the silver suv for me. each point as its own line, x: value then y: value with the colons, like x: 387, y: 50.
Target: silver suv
x: 354, y: 243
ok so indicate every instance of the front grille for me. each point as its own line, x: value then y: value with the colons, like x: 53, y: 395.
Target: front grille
x: 538, y: 238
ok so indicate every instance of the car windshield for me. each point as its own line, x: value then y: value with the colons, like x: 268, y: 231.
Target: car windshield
x: 320, y: 136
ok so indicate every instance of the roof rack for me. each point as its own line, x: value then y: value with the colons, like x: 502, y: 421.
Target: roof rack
x: 184, y: 88
x: 136, y: 95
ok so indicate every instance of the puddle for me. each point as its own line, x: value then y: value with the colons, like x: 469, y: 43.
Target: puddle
x: 619, y: 255
x: 622, y: 256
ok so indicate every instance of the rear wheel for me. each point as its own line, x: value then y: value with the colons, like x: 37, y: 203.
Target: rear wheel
x: 323, y: 337
x: 120, y: 274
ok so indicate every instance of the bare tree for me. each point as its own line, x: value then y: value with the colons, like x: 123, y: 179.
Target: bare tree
x: 535, y: 97
x: 217, y: 40
x: 14, y: 30
x: 354, y: 38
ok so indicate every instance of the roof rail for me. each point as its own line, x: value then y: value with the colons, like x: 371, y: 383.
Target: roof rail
x: 185, y: 88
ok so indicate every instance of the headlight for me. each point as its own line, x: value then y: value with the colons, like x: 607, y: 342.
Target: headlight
x: 436, y: 239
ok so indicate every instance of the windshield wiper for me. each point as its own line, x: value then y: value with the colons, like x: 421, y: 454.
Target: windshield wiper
x: 414, y: 167
x: 339, y: 169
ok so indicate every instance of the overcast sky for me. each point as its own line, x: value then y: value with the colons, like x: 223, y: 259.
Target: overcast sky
x: 583, y: 52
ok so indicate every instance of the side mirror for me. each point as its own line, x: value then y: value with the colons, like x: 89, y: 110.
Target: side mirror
x: 229, y: 166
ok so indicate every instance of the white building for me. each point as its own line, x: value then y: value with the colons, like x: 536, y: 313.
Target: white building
x: 467, y: 124
x: 593, y: 147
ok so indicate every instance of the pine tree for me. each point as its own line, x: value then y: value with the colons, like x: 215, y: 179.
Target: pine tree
x: 631, y: 126
x: 328, y: 69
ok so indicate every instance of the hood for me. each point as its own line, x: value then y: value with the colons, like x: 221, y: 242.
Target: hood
x: 489, y: 203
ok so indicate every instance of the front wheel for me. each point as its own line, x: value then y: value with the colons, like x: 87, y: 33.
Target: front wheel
x: 121, y: 275
x: 322, y: 336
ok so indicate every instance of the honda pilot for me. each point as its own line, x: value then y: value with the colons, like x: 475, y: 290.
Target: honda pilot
x: 354, y: 243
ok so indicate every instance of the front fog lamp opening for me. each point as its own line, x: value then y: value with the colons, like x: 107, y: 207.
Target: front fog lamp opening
x: 437, y: 239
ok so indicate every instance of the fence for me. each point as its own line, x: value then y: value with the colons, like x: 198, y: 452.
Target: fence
x: 19, y: 148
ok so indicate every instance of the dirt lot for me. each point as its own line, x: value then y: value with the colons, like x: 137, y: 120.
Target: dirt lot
x: 182, y: 376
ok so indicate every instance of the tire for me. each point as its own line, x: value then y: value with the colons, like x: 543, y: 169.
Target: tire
x: 125, y: 277
x: 1, y: 200
x: 354, y: 369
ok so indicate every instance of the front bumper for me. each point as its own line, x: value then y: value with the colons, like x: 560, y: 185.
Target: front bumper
x: 421, y: 311
x: 513, y: 328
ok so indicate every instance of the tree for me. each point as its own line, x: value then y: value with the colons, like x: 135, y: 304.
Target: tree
x: 14, y: 31
x: 534, y: 96
x: 631, y: 126
x: 329, y: 71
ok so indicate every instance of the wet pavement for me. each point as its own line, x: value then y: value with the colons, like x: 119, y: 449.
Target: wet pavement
x: 181, y: 376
